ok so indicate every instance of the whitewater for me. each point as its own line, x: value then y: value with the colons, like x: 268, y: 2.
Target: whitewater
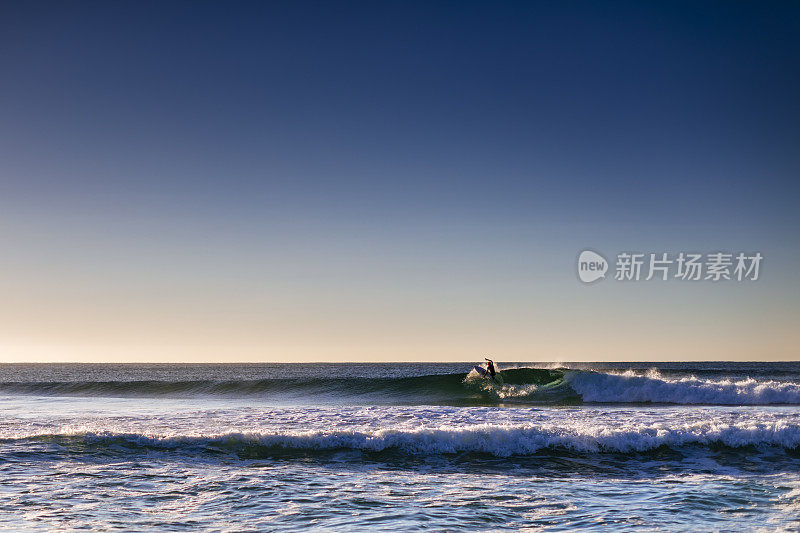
x: 673, y: 447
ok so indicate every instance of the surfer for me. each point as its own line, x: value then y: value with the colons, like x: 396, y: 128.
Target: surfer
x: 490, y: 369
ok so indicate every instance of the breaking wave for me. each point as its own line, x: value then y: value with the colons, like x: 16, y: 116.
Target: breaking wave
x: 531, y: 386
x: 499, y: 441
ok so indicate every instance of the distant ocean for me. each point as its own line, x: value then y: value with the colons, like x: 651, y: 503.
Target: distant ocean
x: 401, y: 447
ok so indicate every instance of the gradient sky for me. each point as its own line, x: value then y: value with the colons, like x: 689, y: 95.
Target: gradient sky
x: 295, y: 181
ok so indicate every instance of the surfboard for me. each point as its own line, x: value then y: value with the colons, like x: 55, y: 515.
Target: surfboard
x: 483, y: 372
x: 480, y: 370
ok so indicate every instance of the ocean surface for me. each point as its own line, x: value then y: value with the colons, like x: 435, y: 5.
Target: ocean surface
x: 400, y: 447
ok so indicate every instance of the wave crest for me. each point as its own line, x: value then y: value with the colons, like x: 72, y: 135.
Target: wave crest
x: 598, y: 387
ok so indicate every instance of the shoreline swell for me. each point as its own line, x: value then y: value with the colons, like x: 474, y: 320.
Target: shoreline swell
x: 494, y: 440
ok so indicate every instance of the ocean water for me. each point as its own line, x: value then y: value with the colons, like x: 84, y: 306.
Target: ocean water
x: 400, y: 447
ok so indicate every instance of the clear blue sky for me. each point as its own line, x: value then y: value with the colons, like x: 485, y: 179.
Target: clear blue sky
x: 381, y: 180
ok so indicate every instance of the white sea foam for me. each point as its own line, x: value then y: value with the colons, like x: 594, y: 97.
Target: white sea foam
x: 630, y: 387
x: 501, y: 441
